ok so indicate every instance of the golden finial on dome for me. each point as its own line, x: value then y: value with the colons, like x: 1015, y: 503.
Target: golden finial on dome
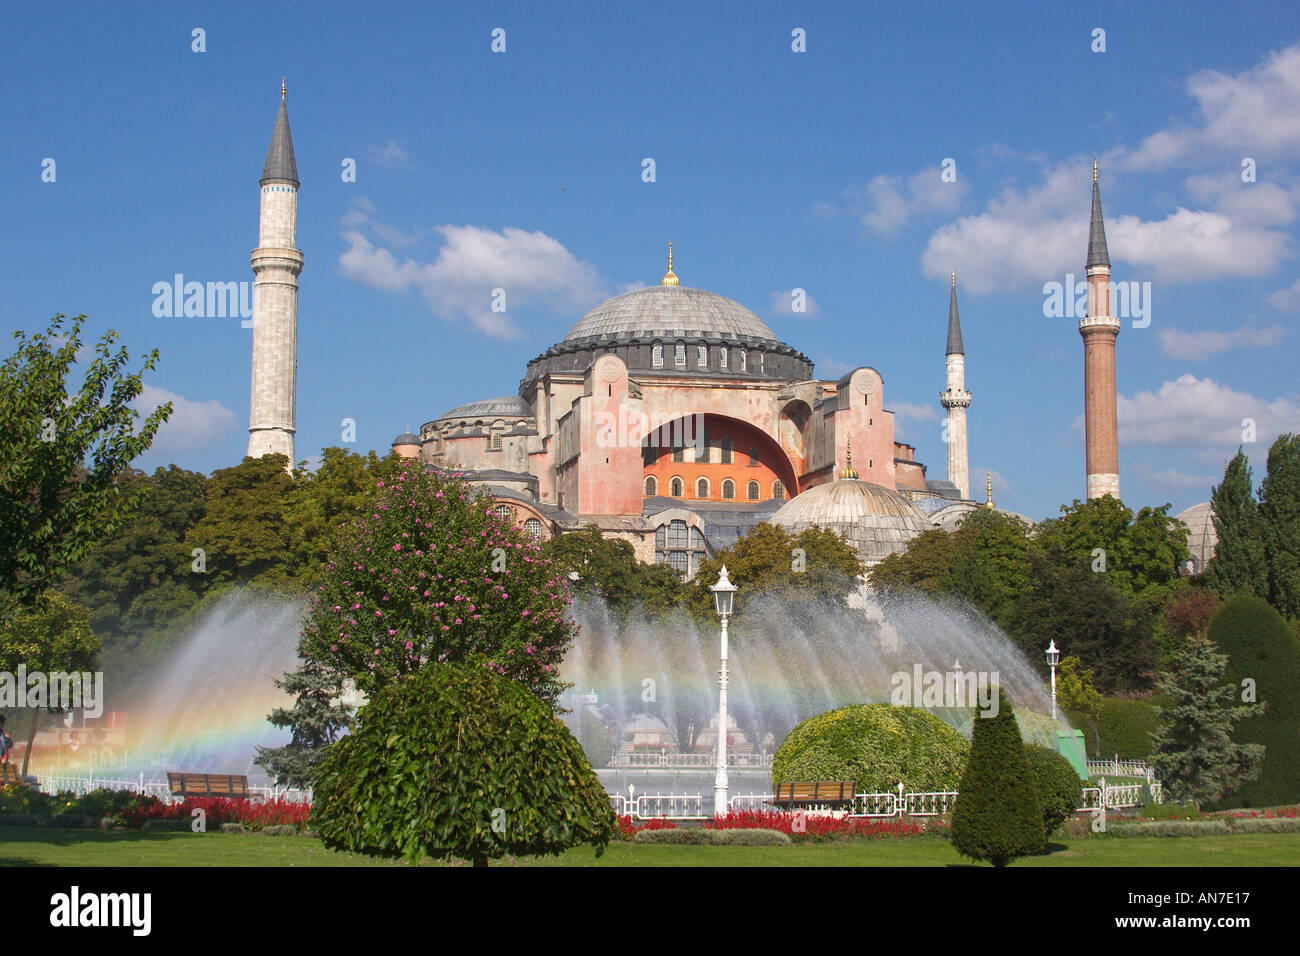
x: 954, y: 278
x: 988, y: 485
x: 849, y: 471
x: 283, y: 90
x: 1094, y: 170
x: 670, y: 277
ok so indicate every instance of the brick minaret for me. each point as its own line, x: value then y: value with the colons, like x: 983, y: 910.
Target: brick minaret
x: 276, y: 264
x: 1099, y: 329
x: 955, y: 399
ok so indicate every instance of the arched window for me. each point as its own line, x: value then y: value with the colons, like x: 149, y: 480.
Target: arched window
x: 533, y: 527
x: 728, y: 489
x: 660, y: 537
x: 677, y: 534
x: 778, y: 491
x: 678, y: 562
x: 675, y: 487
x: 726, y: 451
x: 651, y: 486
x: 505, y: 511
x: 741, y: 364
x: 679, y: 355
x: 760, y: 363
x: 702, y: 356
x: 496, y: 440
x: 697, y: 539
x: 657, y: 355
x: 751, y: 491
x: 722, y: 357
x: 753, y: 456
x: 679, y: 453
x: 702, y: 488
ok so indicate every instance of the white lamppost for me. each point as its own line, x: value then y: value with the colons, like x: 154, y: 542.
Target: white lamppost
x: 1053, y: 658
x: 724, y: 593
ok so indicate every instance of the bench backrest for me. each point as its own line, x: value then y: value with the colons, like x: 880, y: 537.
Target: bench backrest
x: 816, y: 790
x: 208, y: 784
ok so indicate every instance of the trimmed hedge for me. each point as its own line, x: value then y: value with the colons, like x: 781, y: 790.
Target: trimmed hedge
x: 876, y: 746
x: 1125, y: 728
x: 1057, y: 785
x: 702, y: 836
x: 1261, y: 646
x: 1266, y: 825
x: 1171, y: 828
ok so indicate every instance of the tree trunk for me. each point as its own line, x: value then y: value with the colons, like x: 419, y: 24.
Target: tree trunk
x: 31, y: 738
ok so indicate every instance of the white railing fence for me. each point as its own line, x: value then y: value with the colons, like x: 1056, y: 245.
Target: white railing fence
x: 649, y: 760
x: 671, y: 806
x: 1121, y: 768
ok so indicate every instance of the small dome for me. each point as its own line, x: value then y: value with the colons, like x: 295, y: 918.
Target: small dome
x: 508, y: 406
x: 1202, y: 539
x: 876, y: 520
x: 666, y: 311
x: 406, y: 438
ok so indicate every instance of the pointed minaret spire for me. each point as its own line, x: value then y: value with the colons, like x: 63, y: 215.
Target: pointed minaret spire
x: 1097, y: 254
x: 954, y: 322
x: 955, y: 399
x: 280, y: 166
x: 988, y: 486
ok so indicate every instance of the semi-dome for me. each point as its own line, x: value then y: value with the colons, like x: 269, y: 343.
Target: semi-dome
x: 668, y: 311
x: 878, y: 521
x: 508, y: 406
x: 1202, y: 539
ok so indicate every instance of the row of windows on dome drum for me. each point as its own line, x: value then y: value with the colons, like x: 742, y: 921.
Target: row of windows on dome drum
x: 676, y: 489
x: 702, y: 357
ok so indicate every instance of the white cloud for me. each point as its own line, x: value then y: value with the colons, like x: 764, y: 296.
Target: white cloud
x: 1173, y: 480
x: 391, y: 155
x: 1199, y: 413
x: 886, y: 203
x: 783, y: 304
x: 912, y: 412
x: 192, y: 425
x: 1035, y: 235
x: 1198, y: 346
x: 1255, y: 113
x: 979, y: 488
x: 829, y: 368
x: 531, y: 267
x: 1286, y: 300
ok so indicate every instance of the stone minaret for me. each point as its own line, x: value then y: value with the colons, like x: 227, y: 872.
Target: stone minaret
x: 1099, y: 329
x: 276, y: 264
x: 955, y: 400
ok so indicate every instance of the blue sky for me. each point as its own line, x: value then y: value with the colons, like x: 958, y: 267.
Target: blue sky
x: 774, y: 170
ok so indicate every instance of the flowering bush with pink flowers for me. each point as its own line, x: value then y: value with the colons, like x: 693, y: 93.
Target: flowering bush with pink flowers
x: 819, y: 827
x: 429, y: 572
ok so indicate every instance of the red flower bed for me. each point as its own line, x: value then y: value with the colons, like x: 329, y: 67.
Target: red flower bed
x: 819, y: 827
x: 628, y: 828
x: 1287, y: 813
x: 219, y: 810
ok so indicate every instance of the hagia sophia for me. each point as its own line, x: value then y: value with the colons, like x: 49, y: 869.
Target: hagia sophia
x: 675, y: 419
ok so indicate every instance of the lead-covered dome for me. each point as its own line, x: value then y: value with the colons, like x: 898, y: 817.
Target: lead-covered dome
x: 507, y: 406
x: 670, y: 311
x: 1202, y: 539
x: 874, y: 519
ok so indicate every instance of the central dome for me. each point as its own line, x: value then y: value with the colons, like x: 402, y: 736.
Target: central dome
x: 669, y: 311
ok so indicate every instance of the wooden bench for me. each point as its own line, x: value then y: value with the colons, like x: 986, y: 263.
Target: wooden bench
x: 208, y: 785
x: 11, y: 775
x: 822, y: 793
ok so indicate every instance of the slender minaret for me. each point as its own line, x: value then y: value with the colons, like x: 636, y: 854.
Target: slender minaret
x: 276, y: 264
x: 1099, y: 329
x: 955, y: 399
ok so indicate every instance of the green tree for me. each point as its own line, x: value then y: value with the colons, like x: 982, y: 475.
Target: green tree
x: 991, y: 566
x: 1238, y: 565
x: 997, y: 816
x: 243, y: 533
x: 1192, y: 749
x: 1056, y: 784
x: 53, y: 636
x: 55, y: 509
x: 427, y: 571
x: 1076, y: 693
x: 925, y: 565
x: 1264, y: 666
x: 1142, y: 552
x: 317, y: 719
x: 608, y: 567
x: 1279, y: 513
x: 765, y: 560
x: 456, y: 760
x: 319, y: 501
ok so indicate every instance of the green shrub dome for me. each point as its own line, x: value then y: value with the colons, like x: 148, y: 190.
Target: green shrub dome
x: 875, y: 745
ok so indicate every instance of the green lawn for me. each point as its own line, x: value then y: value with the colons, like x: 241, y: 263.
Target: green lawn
x: 21, y: 846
